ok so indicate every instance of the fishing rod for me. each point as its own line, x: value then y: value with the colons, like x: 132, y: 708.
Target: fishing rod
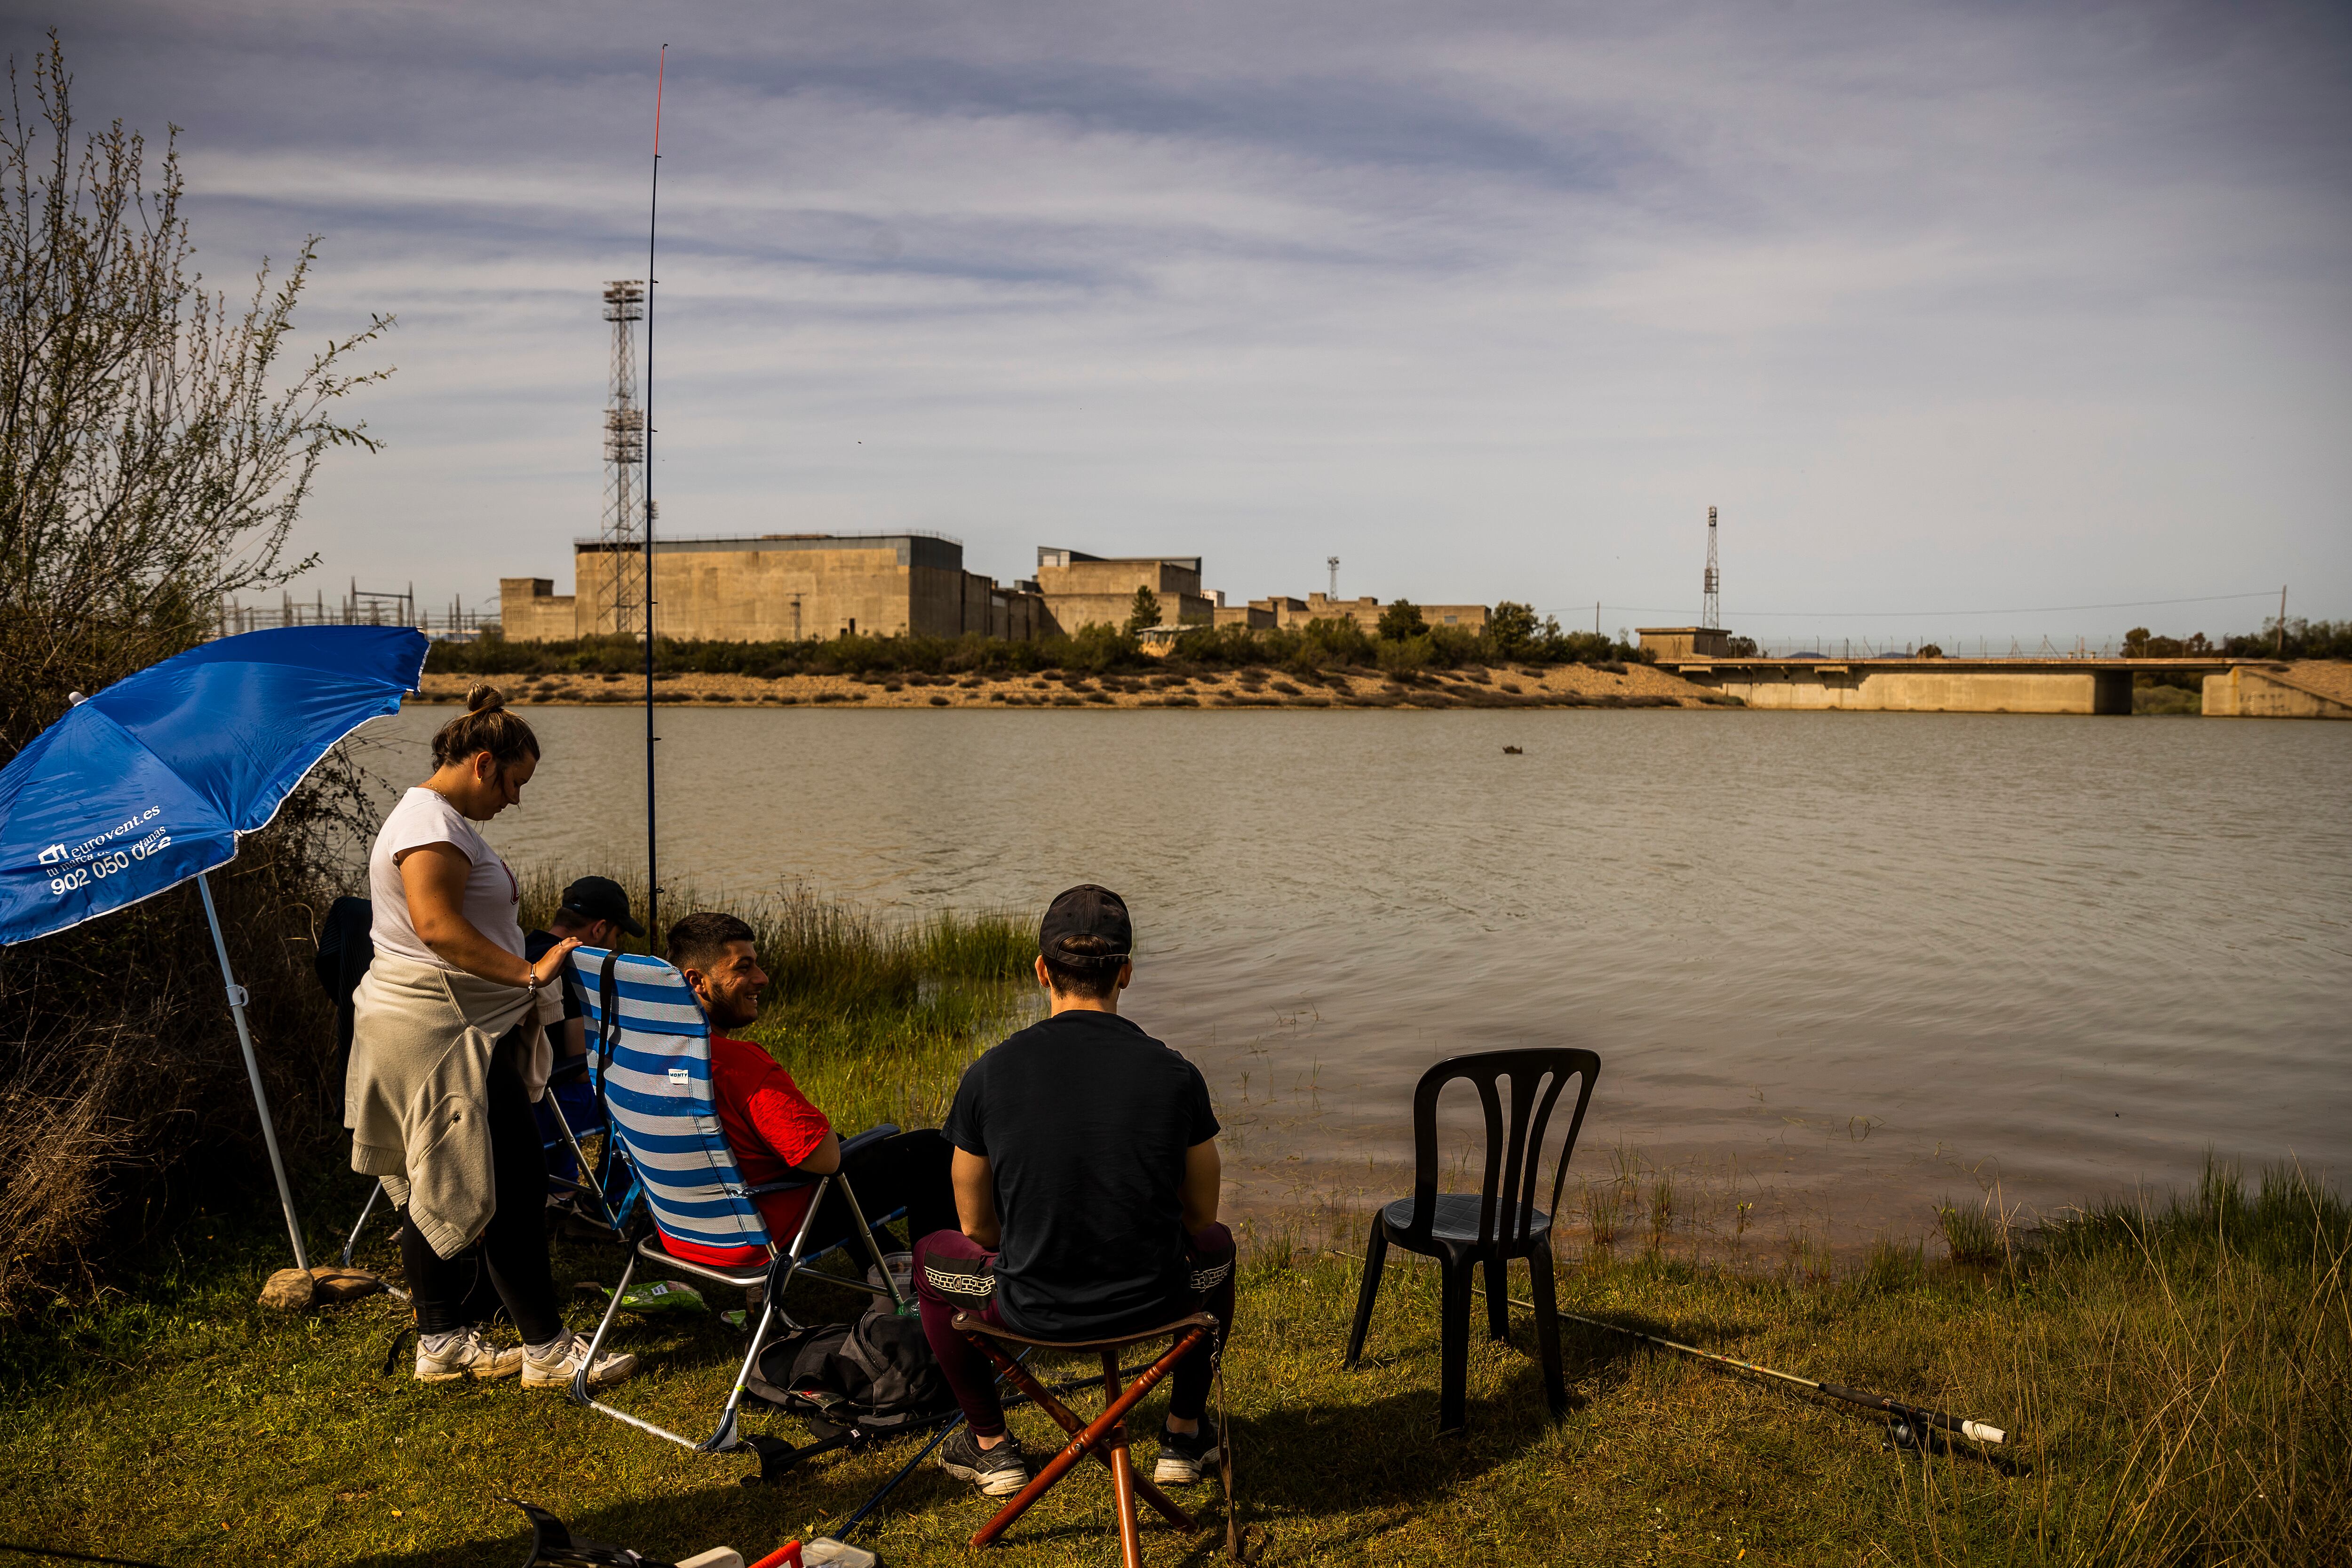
x: 1909, y: 1424
x: 653, y: 230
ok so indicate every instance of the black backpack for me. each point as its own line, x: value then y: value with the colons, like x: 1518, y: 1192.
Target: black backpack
x: 877, y: 1375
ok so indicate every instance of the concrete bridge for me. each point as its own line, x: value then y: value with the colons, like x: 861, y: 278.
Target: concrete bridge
x: 2233, y: 687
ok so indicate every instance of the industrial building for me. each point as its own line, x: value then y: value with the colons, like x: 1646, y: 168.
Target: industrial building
x: 1082, y: 590
x: 1686, y: 642
x: 1365, y: 612
x: 778, y: 587
x: 790, y: 587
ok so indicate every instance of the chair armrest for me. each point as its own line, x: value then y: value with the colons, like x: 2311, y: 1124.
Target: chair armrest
x: 872, y: 1135
x: 849, y: 1146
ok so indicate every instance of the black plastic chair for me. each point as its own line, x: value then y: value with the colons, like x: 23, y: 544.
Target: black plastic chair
x: 1500, y: 1223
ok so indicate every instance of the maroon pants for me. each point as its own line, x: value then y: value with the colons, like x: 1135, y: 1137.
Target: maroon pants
x: 965, y: 1282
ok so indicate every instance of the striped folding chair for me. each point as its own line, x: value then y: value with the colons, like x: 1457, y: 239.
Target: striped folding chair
x: 652, y: 1062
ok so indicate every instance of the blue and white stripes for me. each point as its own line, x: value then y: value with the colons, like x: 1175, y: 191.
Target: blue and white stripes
x: 657, y: 1094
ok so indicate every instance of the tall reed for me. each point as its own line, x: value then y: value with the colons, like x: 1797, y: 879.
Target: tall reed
x: 875, y: 1018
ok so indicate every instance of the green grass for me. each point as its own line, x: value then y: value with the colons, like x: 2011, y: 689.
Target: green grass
x: 2179, y: 1378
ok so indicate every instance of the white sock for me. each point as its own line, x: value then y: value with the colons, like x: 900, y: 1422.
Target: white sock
x: 438, y: 1345
x: 556, y: 1348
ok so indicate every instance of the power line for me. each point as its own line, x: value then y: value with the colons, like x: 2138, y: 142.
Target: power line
x: 1864, y: 615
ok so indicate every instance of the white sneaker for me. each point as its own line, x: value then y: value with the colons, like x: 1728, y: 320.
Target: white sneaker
x: 557, y: 1373
x: 470, y: 1355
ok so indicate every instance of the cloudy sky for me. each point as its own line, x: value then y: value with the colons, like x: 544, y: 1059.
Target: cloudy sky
x: 1949, y: 307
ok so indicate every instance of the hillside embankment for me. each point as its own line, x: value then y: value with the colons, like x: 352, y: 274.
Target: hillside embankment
x: 1558, y: 686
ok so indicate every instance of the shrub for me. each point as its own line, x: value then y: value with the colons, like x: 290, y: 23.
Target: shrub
x: 1400, y: 620
x: 1406, y: 656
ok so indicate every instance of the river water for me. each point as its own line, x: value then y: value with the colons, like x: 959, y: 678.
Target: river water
x: 1840, y: 966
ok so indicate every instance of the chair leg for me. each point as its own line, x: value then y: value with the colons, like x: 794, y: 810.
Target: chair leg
x: 1539, y: 1292
x: 1122, y: 1473
x: 1498, y: 1297
x: 1376, y: 1252
x: 723, y: 1437
x: 1454, y: 1348
x: 579, y: 1392
x: 1084, y: 1439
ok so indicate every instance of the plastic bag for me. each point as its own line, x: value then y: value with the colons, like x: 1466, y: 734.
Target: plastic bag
x: 660, y: 1297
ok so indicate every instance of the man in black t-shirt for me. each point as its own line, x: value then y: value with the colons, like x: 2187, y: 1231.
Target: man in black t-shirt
x: 597, y: 910
x: 1086, y: 1181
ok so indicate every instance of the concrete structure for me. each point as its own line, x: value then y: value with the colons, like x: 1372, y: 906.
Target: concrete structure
x: 2280, y: 691
x: 1082, y: 590
x: 1684, y: 642
x: 782, y: 587
x: 1941, y: 685
x: 1366, y: 612
x: 1254, y: 615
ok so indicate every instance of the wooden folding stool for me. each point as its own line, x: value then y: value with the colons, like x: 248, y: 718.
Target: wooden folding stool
x: 1106, y: 1436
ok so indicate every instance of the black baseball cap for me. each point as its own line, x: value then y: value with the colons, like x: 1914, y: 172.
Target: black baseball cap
x: 1087, y: 911
x: 600, y: 899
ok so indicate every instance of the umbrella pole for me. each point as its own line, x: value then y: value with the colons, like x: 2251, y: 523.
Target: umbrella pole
x: 236, y: 995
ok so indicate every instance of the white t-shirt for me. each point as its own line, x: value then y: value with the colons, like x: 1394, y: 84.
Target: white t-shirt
x: 493, y: 897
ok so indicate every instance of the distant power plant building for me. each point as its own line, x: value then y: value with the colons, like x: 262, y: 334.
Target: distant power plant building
x: 793, y: 587
x: 1292, y: 613
x: 1082, y: 590
x: 778, y: 587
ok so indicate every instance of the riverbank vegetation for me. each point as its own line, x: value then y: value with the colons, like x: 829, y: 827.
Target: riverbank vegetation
x: 1404, y: 648
x: 2296, y: 638
x: 2177, y: 1376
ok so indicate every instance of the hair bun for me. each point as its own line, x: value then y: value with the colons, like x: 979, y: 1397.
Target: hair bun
x: 485, y: 699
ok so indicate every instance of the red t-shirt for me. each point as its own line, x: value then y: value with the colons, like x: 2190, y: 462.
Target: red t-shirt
x: 772, y: 1127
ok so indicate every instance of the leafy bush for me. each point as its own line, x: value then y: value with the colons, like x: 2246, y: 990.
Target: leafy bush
x: 1400, y: 620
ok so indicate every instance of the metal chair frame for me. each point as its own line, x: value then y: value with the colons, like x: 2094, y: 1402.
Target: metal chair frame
x: 644, y: 1235
x: 1508, y: 1218
x: 647, y: 1247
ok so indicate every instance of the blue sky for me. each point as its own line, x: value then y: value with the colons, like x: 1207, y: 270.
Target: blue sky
x: 1948, y: 308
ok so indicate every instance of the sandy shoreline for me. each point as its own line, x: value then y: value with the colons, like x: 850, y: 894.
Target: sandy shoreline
x: 1509, y: 687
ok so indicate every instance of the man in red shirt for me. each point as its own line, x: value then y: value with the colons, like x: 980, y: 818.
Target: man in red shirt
x: 774, y: 1130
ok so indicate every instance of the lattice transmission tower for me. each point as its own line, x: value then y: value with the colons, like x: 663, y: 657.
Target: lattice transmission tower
x: 620, y: 596
x: 1710, y: 609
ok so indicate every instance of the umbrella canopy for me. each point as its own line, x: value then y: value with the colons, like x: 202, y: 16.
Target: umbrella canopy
x: 153, y: 780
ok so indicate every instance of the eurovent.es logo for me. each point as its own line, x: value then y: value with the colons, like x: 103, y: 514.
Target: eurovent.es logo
x: 53, y: 853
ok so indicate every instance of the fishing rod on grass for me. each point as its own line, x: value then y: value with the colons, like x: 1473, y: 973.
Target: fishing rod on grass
x: 1907, y: 1425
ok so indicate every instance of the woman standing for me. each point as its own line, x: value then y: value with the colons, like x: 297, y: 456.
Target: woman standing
x: 447, y: 1053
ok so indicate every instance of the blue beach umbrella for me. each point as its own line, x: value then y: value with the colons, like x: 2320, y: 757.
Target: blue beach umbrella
x: 154, y: 780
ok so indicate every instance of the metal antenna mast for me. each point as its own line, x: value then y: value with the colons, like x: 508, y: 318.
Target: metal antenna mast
x: 1710, y: 610
x: 1334, y: 563
x: 620, y: 595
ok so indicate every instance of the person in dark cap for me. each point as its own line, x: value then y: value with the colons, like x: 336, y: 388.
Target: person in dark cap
x: 1087, y: 1177
x: 595, y: 913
